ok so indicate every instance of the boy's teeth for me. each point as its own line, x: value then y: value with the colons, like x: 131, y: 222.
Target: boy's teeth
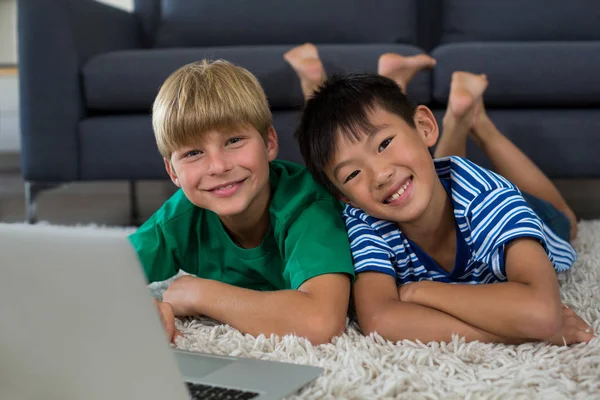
x: 397, y: 194
x: 225, y: 187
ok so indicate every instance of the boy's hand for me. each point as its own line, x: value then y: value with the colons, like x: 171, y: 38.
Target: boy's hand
x: 184, y: 295
x: 168, y: 319
x: 573, y: 330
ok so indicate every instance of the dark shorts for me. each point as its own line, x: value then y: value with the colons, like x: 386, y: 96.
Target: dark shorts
x: 555, y: 219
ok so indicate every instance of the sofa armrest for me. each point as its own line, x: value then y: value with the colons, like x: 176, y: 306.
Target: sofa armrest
x: 56, y: 37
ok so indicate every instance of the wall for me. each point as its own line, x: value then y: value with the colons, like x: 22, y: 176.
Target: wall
x: 8, y: 32
x: 124, y: 4
x: 9, y: 113
x: 9, y: 95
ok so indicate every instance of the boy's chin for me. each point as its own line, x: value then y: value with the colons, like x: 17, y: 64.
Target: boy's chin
x: 396, y: 216
x: 223, y: 209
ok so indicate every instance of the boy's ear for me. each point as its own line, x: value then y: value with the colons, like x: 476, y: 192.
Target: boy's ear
x: 272, y: 144
x: 344, y: 199
x: 171, y: 172
x: 426, y: 125
x: 338, y: 194
x: 351, y: 203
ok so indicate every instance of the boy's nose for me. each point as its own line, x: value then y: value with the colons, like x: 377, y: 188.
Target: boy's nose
x: 218, y: 164
x: 383, y: 177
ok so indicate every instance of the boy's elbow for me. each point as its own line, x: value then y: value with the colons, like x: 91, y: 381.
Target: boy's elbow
x: 543, y: 320
x: 322, y: 328
x: 376, y: 318
x: 373, y: 322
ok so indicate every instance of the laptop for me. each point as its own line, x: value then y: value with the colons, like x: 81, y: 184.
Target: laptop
x: 77, y: 322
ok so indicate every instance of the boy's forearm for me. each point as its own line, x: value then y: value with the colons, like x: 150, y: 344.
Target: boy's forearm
x: 277, y: 312
x: 401, y: 320
x: 506, y: 309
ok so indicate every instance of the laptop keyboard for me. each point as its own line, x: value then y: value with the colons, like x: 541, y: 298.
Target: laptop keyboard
x: 206, y: 392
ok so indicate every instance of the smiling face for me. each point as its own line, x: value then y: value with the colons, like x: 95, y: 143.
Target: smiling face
x: 226, y: 172
x: 388, y: 172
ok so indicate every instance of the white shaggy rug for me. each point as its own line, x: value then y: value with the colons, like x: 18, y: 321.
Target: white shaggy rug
x: 359, y: 367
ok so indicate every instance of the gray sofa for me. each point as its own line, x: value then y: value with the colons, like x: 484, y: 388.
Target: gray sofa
x: 89, y: 72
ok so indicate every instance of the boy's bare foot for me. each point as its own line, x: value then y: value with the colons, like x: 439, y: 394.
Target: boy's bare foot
x: 304, y: 59
x: 465, y: 108
x: 402, y: 69
x: 465, y: 91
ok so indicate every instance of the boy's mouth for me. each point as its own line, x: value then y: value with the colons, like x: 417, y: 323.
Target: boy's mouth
x: 398, y: 193
x: 227, y: 189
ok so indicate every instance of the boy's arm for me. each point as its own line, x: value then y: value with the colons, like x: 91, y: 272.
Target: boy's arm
x: 377, y: 301
x: 318, y: 264
x: 379, y: 309
x: 527, y: 306
x: 317, y: 310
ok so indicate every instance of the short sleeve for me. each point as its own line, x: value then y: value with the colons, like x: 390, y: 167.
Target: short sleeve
x: 157, y: 256
x: 316, y: 244
x: 370, y: 252
x: 497, y: 217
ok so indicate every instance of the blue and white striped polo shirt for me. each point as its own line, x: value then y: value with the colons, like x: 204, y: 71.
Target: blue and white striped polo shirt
x: 489, y: 212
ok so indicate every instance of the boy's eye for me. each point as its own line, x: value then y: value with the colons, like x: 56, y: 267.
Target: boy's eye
x: 384, y: 144
x: 352, y: 176
x: 234, y: 140
x: 191, y: 153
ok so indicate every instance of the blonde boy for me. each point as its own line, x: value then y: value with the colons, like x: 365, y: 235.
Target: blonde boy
x: 265, y: 244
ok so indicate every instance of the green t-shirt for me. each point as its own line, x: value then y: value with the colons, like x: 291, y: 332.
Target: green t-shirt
x: 307, y: 238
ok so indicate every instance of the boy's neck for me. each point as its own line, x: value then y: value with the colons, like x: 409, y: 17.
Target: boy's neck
x: 436, y: 225
x: 248, y: 229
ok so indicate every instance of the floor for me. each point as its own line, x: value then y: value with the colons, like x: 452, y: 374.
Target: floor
x: 107, y: 203
x: 104, y: 203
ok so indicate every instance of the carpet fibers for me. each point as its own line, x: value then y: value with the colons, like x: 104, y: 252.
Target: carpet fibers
x: 359, y: 367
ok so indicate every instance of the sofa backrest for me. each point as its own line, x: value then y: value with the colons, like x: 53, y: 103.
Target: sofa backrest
x: 520, y: 20
x: 148, y: 13
x: 200, y: 23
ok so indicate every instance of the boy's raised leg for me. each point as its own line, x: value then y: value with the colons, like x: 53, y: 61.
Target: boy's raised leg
x: 509, y: 161
x: 304, y: 59
x: 466, y: 90
x: 402, y: 69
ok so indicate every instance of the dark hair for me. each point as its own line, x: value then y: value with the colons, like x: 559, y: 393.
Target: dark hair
x: 341, y: 106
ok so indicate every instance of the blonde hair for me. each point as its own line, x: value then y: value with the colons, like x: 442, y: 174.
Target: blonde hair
x: 203, y: 96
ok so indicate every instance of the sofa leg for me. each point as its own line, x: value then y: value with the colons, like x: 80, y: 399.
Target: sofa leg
x: 32, y: 191
x: 134, y: 211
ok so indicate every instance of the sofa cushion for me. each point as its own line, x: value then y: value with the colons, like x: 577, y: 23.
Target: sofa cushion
x: 535, y: 20
x: 106, y: 146
x: 186, y: 23
x: 558, y: 142
x: 525, y: 74
x: 129, y: 80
